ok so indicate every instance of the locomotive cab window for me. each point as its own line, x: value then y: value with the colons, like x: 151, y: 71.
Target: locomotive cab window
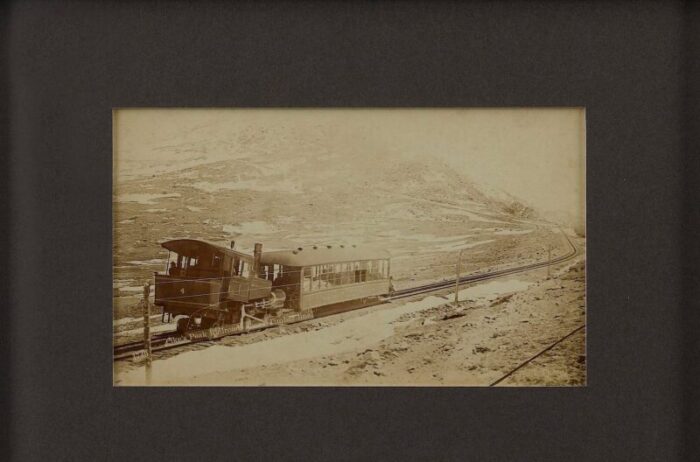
x: 240, y: 267
x: 245, y: 269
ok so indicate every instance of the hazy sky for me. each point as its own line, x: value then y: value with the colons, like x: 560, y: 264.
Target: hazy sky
x: 537, y: 154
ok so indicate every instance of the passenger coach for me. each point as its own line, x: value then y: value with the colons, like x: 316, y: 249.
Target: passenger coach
x: 328, y: 276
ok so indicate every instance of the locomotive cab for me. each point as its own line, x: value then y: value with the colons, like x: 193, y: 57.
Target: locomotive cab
x: 209, y: 284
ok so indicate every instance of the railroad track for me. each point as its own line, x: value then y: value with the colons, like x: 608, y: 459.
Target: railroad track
x: 446, y: 284
x: 156, y: 341
x: 529, y: 360
x: 172, y: 339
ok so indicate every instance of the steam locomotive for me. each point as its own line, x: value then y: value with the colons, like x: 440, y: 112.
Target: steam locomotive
x: 215, y: 290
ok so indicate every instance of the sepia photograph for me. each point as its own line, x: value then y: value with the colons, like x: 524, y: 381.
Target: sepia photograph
x: 400, y: 230
x: 396, y: 247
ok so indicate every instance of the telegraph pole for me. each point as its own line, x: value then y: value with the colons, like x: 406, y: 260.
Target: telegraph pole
x: 459, y: 270
x: 147, y: 322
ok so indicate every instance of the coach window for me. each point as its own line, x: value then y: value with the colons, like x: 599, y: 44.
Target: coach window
x: 347, y: 273
x: 351, y: 273
x: 307, y: 281
x: 336, y: 273
x: 339, y: 274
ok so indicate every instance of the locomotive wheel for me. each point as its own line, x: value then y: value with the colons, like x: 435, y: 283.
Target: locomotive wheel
x: 292, y: 301
x: 208, y: 323
x: 218, y: 323
x: 234, y: 313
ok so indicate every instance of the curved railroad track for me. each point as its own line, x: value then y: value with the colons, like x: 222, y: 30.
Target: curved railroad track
x: 172, y: 339
x: 449, y: 283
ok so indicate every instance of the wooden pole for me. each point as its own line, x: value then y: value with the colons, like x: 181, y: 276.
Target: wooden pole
x: 459, y: 270
x: 147, y: 321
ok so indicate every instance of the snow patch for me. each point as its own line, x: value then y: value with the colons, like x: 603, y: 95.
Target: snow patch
x: 472, y: 216
x: 143, y: 198
x: 130, y: 319
x: 493, y: 289
x: 251, y: 227
x: 511, y: 232
x: 460, y: 245
x: 152, y: 262
x: 285, y: 186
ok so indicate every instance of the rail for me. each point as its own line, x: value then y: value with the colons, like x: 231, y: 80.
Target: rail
x: 529, y: 360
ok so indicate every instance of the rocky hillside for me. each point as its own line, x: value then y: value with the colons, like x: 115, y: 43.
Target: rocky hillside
x: 286, y: 190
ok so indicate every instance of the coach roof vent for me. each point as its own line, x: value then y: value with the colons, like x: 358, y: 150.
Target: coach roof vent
x: 324, y: 256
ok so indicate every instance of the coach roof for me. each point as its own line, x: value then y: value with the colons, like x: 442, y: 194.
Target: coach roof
x: 196, y: 247
x: 323, y: 254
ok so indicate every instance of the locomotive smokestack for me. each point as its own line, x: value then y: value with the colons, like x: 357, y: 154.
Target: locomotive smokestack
x: 257, y: 255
